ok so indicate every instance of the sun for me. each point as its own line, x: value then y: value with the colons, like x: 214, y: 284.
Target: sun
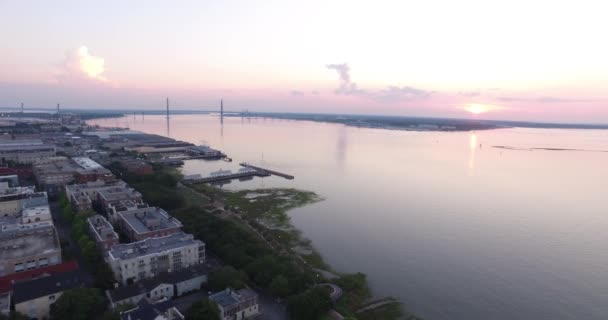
x: 477, y: 108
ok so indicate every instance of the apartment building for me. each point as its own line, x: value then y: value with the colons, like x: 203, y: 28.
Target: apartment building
x: 136, y: 261
x: 148, y: 222
x: 28, y: 246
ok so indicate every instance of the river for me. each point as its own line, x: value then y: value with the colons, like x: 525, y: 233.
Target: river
x: 452, y: 226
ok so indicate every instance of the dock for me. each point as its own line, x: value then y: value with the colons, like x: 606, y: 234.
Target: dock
x: 232, y: 176
x: 276, y: 173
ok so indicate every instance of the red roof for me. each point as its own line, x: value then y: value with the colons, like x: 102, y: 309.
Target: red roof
x: 6, y: 282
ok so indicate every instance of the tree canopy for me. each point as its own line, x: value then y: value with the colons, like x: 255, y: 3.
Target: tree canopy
x: 311, y: 304
x: 203, y: 310
x: 78, y: 304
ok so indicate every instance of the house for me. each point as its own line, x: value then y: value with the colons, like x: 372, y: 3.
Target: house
x: 35, y: 297
x: 163, y: 286
x: 236, y: 305
x: 163, y: 310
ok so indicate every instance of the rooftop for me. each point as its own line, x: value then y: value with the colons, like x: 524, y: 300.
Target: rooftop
x: 6, y: 282
x: 147, y: 285
x: 94, y: 185
x: 33, y: 212
x: 6, y: 191
x: 17, y: 241
x: 102, y: 228
x: 31, y: 289
x: 153, y: 246
x: 148, y: 219
x: 87, y: 163
x: 57, y: 167
x: 119, y: 193
x: 157, y: 311
x: 229, y: 297
x: 127, y: 205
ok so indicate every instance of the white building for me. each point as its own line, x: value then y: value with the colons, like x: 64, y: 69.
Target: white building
x: 163, y: 286
x: 236, y: 305
x: 135, y: 261
x: 14, y: 200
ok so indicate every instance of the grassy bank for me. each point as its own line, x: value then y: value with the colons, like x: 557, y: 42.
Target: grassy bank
x: 254, y: 236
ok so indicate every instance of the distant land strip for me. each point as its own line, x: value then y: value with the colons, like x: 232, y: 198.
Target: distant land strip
x: 547, y: 149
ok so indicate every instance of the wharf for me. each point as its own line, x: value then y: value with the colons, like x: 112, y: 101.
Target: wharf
x: 276, y: 173
x: 232, y: 176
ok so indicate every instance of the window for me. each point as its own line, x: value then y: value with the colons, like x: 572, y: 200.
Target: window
x: 31, y: 264
x: 19, y: 267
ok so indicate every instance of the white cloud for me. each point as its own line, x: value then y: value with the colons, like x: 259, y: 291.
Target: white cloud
x: 80, y: 64
x: 388, y: 94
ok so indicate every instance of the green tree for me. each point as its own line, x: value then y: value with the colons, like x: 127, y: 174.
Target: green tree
x: 279, y: 286
x: 312, y: 304
x: 203, y: 310
x: 226, y: 277
x: 78, y: 304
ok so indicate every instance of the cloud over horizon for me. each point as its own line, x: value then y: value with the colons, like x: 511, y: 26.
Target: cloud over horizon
x: 79, y: 64
x: 389, y: 94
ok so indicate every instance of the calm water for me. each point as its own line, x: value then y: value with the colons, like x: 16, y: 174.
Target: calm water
x: 453, y: 227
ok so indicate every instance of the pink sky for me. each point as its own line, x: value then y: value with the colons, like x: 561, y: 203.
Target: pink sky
x: 542, y: 61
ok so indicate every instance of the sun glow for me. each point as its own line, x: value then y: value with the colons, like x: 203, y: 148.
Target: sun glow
x: 476, y: 108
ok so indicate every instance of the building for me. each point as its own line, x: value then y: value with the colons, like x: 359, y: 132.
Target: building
x: 115, y: 208
x: 204, y: 152
x: 21, y: 172
x: 147, y: 222
x: 36, y: 214
x: 51, y: 160
x: 55, y: 175
x: 103, y: 232
x: 25, y: 151
x: 14, y: 200
x: 81, y: 196
x: 136, y: 166
x: 163, y: 310
x: 115, y: 195
x: 163, y: 286
x: 26, y: 247
x: 90, y: 170
x: 12, y: 180
x: 6, y: 282
x: 34, y: 298
x: 236, y: 305
x: 5, y: 304
x: 132, y: 262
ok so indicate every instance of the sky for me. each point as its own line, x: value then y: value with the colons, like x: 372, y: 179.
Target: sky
x: 518, y: 60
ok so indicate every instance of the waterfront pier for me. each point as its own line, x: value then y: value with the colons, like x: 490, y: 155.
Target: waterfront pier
x: 276, y: 173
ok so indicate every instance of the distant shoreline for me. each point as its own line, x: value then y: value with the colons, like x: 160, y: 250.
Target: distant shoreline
x: 417, y: 123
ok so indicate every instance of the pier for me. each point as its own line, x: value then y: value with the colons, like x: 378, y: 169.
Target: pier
x: 276, y: 173
x: 225, y: 177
